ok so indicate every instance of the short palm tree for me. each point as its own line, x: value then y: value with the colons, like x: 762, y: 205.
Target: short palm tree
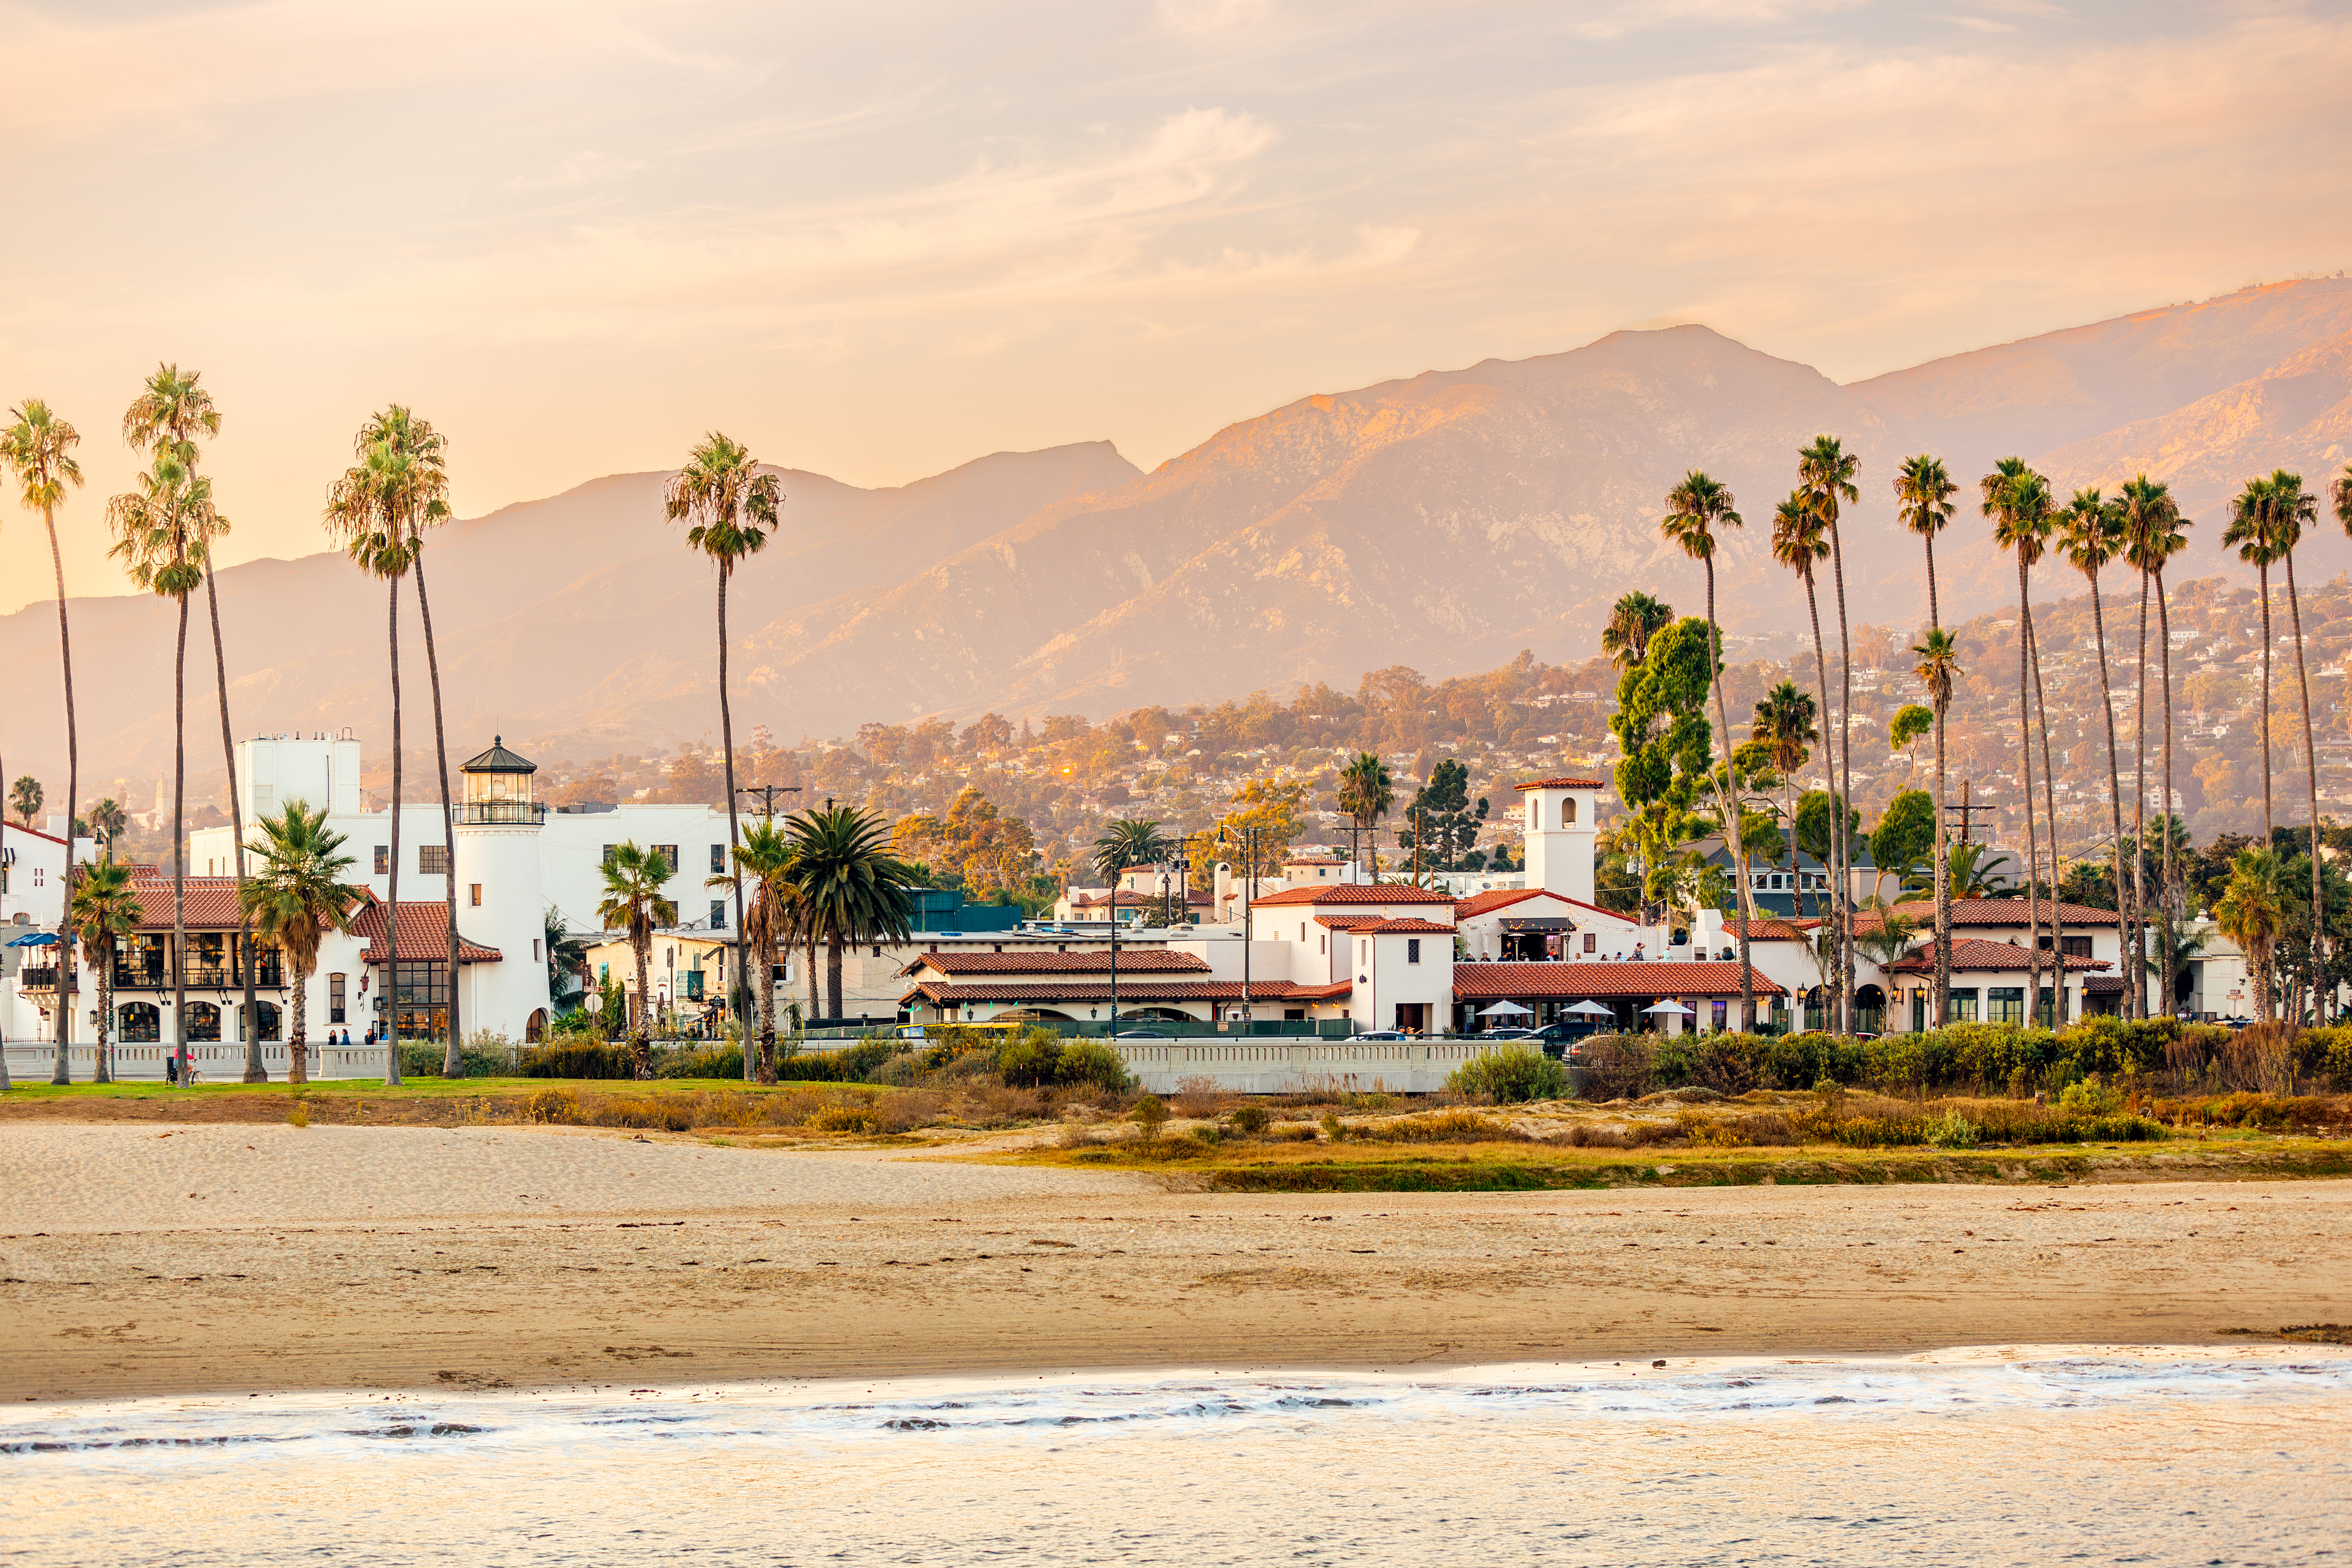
x: 2018, y: 502
x: 633, y: 902
x: 294, y: 900
x: 159, y: 531
x: 25, y: 798
x: 1367, y: 793
x: 362, y: 516
x: 1800, y: 541
x: 2252, y: 914
x: 1923, y: 499
x: 1130, y: 843
x: 106, y: 909
x: 2090, y: 535
x: 39, y: 447
x: 1825, y: 472
x: 108, y: 822
x: 765, y: 858
x: 1939, y: 670
x: 1634, y: 619
x: 2153, y: 534
x: 851, y: 888
x: 1697, y: 511
x: 729, y: 507
x: 1785, y: 722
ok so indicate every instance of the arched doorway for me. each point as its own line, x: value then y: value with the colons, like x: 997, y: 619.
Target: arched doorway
x: 203, y: 1022
x: 534, y: 1028
x: 139, y: 1023
x: 1869, y: 1010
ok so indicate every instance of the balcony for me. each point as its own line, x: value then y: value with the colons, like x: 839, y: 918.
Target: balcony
x: 270, y: 974
x: 502, y: 813
x: 41, y: 979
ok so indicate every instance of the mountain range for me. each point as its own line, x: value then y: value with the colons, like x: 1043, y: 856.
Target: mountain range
x: 1443, y: 522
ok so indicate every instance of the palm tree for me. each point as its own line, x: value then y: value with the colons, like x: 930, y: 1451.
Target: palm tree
x: 1367, y: 792
x: 2090, y: 535
x: 25, y: 798
x: 2292, y: 509
x: 169, y: 414
x: 2254, y: 529
x: 1939, y: 670
x: 1785, y: 722
x: 2249, y: 913
x: 2153, y: 536
x: 1130, y: 843
x: 407, y: 464
x: 298, y: 897
x: 1696, y: 509
x: 1825, y: 472
x: 731, y: 507
x: 362, y: 516
x: 854, y: 890
x: 106, y: 908
x: 633, y: 902
x: 1800, y: 542
x: 2020, y: 523
x: 1633, y: 622
x: 40, y: 447
x: 158, y: 531
x: 766, y: 857
x: 1923, y: 499
x: 108, y: 821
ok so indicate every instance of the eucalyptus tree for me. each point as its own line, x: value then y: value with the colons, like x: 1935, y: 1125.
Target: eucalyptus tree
x: 39, y: 447
x: 2090, y: 535
x: 1923, y: 499
x: 2021, y: 524
x: 1939, y: 671
x: 1697, y: 511
x: 1825, y: 472
x: 160, y: 529
x: 1799, y: 541
x: 729, y: 507
x: 170, y: 412
x: 361, y: 516
x: 633, y: 902
x: 298, y: 897
x: 1633, y: 619
x: 2153, y: 535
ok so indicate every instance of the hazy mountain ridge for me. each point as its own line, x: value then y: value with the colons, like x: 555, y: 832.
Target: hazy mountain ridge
x: 1443, y: 521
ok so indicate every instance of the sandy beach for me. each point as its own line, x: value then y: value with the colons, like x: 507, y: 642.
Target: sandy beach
x: 229, y: 1258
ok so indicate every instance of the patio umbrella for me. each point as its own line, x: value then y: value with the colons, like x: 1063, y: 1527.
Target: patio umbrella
x: 1671, y: 1007
x: 1501, y: 1007
x: 35, y: 939
x: 1592, y: 1010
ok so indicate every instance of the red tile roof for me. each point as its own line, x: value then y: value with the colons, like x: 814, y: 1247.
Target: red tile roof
x: 424, y: 936
x: 1479, y: 903
x: 1348, y: 921
x: 1336, y: 991
x: 1513, y: 982
x: 209, y: 902
x: 1765, y: 930
x: 1563, y: 784
x: 1976, y: 953
x: 1407, y: 927
x: 1098, y: 991
x: 2004, y: 911
x: 1357, y: 892
x: 1137, y: 961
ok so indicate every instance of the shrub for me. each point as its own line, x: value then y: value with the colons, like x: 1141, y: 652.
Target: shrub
x: 1074, y: 1135
x: 845, y: 1119
x: 1291, y: 1133
x: 1208, y: 1134
x: 1252, y: 1119
x: 1592, y: 1136
x: 1333, y: 1128
x: 1616, y: 1066
x: 1510, y: 1074
x: 579, y: 1059
x: 666, y: 1112
x: 711, y: 1060
x: 860, y: 1060
x: 300, y: 1116
x: 1150, y: 1114
x: 1443, y: 1127
x: 1029, y: 1060
x: 899, y: 1070
x: 558, y: 1105
x: 2089, y: 1097
x: 1952, y: 1131
x: 816, y: 1066
x: 1095, y: 1062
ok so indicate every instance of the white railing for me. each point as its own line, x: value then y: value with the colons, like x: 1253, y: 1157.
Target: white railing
x: 214, y: 1062
x: 1290, y: 1066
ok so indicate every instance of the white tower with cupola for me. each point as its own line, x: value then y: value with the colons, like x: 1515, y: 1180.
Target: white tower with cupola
x: 501, y: 903
x: 1561, y: 837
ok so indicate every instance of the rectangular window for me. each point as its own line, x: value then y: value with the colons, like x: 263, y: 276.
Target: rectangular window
x: 669, y: 853
x: 2005, y: 1004
x: 1591, y: 941
x: 717, y: 858
x: 1413, y: 949
x: 335, y: 998
x: 1964, y: 1005
x: 474, y: 893
x: 383, y: 860
x: 433, y: 859
x: 534, y: 949
x: 608, y: 854
x: 718, y: 913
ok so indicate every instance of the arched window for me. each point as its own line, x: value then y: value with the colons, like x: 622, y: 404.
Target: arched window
x: 203, y: 1022
x: 268, y: 1013
x: 1568, y: 811
x: 139, y: 1023
x: 534, y: 1029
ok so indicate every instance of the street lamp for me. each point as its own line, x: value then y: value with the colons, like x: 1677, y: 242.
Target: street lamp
x: 1247, y: 837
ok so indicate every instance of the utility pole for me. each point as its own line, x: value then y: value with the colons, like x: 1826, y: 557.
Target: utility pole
x: 767, y: 794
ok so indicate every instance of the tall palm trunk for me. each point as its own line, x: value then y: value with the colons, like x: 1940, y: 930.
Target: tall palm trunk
x: 452, y: 1061
x: 2025, y: 773
x: 1829, y: 757
x: 62, y: 1071
x: 2267, y: 829
x: 298, y: 1033
x: 1943, y: 980
x: 180, y: 845
x: 105, y: 1011
x: 1729, y: 794
x: 2168, y: 902
x: 642, y: 1049
x: 390, y: 996
x: 2311, y: 787
x: 815, y: 1010
x: 2115, y: 773
x: 2132, y: 901
x: 1935, y: 615
x: 1845, y: 792
x: 835, y: 946
x: 256, y: 1070
x: 734, y: 830
x: 767, y: 992
x: 2050, y: 817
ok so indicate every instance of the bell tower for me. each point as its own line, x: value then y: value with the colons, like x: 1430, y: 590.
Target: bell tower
x: 1561, y: 835
x: 501, y: 902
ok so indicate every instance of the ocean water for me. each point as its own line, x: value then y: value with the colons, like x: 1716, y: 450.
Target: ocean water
x: 2020, y: 1457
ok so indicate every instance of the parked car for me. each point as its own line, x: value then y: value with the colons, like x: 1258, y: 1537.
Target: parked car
x: 1381, y: 1034
x: 1508, y: 1031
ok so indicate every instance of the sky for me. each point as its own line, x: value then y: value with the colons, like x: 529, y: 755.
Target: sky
x: 880, y: 240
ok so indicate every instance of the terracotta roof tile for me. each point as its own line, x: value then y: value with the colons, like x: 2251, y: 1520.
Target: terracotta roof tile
x: 1357, y: 892
x: 1563, y: 783
x: 1348, y: 921
x: 1137, y: 961
x: 209, y: 902
x: 1479, y: 903
x: 2004, y: 911
x: 424, y: 936
x: 1976, y: 953
x: 1495, y: 982
x: 1408, y: 927
x: 1090, y: 989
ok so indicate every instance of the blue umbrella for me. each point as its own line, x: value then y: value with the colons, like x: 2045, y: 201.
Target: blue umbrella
x: 35, y: 939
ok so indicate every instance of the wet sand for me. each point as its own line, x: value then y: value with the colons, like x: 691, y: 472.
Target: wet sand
x: 135, y: 1261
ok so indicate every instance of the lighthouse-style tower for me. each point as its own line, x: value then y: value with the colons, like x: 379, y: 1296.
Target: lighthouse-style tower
x: 1561, y: 837
x: 500, y: 903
